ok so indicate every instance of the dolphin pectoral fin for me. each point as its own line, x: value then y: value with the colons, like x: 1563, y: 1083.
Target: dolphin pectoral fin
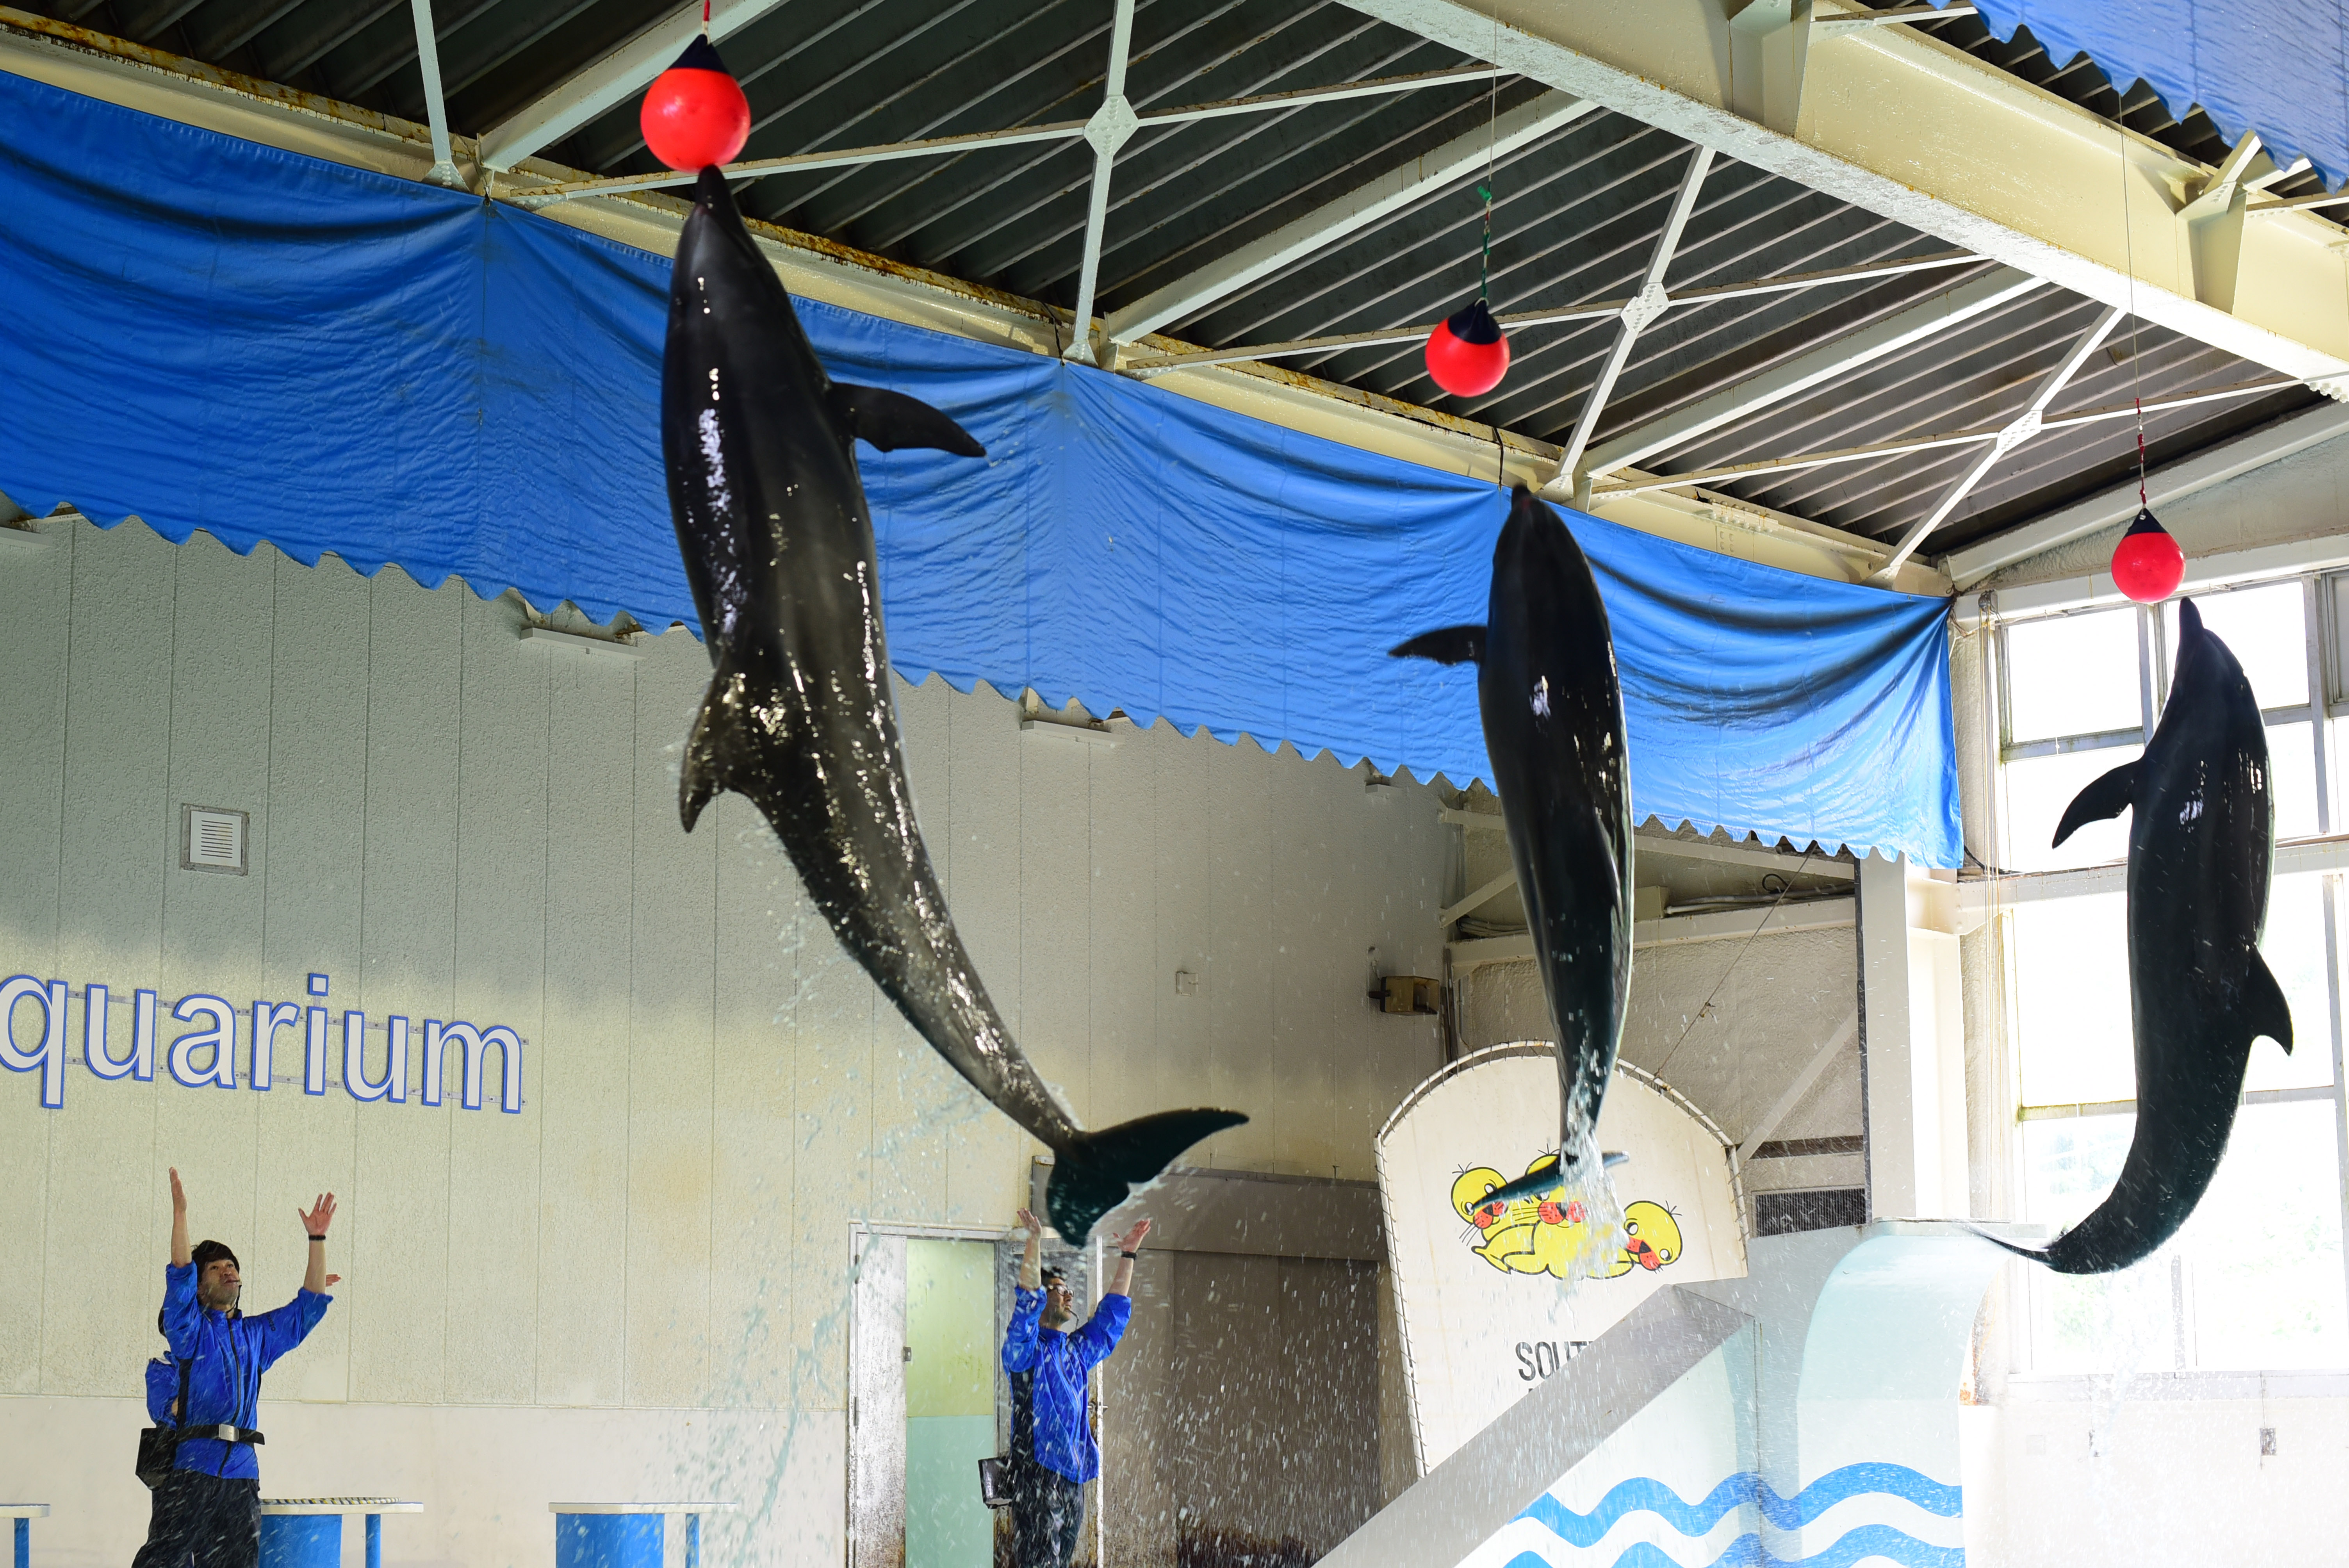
x: 889, y: 420
x: 1451, y: 646
x: 716, y: 748
x: 2264, y: 1009
x: 2107, y: 795
x: 1093, y: 1175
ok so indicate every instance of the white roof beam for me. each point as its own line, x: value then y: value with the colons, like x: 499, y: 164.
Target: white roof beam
x: 611, y: 81
x: 1590, y: 310
x: 1110, y: 129
x: 1783, y: 383
x: 428, y: 59
x: 1643, y: 308
x: 1013, y: 136
x: 1899, y: 123
x: 2173, y: 481
x: 2021, y: 429
x: 1635, y: 481
x: 1408, y: 182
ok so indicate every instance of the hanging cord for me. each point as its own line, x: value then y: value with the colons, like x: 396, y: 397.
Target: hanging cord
x: 2136, y: 366
x: 705, y: 19
x: 1492, y: 122
x: 1706, y: 1006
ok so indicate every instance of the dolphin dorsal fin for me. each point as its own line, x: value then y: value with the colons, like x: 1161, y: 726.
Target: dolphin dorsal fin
x: 2265, y: 1011
x: 889, y: 420
x: 2109, y: 796
x: 1451, y: 646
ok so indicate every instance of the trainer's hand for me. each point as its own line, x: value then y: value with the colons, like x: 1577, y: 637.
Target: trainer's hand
x: 334, y: 1280
x: 179, y: 1193
x: 1132, y: 1238
x: 320, y: 1215
x: 1030, y: 1223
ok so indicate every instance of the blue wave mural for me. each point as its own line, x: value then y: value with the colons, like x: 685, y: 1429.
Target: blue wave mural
x: 1642, y: 1495
x: 1746, y: 1552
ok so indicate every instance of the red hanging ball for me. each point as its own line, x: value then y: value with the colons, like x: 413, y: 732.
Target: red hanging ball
x: 1467, y: 355
x: 2147, y: 564
x: 695, y: 114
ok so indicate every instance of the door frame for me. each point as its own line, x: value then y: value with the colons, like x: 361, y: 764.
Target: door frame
x: 861, y: 1233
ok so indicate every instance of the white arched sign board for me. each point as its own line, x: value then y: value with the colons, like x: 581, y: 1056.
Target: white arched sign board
x: 1484, y: 1313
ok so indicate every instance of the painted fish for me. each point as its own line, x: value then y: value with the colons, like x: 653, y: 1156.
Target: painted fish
x: 771, y: 521
x: 1553, y: 717
x: 2201, y: 841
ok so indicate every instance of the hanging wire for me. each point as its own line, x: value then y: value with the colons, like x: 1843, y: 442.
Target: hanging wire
x: 2137, y: 366
x: 705, y: 19
x: 1705, y: 1009
x: 1491, y: 121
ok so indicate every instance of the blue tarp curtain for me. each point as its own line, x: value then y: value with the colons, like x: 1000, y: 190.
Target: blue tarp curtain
x: 209, y: 334
x: 2277, y: 67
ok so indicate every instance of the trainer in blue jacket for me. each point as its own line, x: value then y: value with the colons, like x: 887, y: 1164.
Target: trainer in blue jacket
x: 208, y: 1510
x: 1053, y: 1453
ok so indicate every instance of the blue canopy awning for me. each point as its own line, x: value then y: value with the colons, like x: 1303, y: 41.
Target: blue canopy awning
x: 208, y: 334
x: 2277, y: 67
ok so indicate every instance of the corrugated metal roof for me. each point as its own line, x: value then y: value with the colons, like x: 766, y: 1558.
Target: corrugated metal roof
x: 1575, y: 216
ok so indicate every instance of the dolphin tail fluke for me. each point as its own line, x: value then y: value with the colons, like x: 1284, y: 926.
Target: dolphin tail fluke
x: 1451, y: 646
x: 2264, y: 1009
x: 2107, y: 795
x: 716, y: 746
x: 1093, y: 1175
x: 2037, y: 1254
x: 891, y: 420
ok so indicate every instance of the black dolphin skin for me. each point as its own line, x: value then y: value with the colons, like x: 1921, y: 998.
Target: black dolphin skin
x: 778, y: 544
x: 2200, y: 844
x: 1552, y: 713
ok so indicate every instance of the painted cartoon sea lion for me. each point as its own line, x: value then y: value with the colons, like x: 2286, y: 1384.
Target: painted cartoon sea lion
x: 778, y: 545
x: 1553, y: 715
x: 2202, y: 841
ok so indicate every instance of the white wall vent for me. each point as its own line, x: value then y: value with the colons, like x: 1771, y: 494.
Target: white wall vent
x: 212, y: 840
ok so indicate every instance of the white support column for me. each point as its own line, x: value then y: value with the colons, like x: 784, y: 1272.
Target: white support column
x: 1643, y: 308
x: 428, y: 59
x: 1912, y: 1042
x: 1110, y: 129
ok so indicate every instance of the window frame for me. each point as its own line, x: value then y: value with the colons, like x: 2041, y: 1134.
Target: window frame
x: 2326, y: 853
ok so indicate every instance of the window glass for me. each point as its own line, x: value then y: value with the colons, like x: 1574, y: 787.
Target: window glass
x: 2037, y: 789
x: 2090, y: 1323
x: 2267, y: 630
x: 2292, y: 758
x: 2071, y: 1000
x: 2073, y: 674
x: 2294, y: 950
x: 2263, y: 1249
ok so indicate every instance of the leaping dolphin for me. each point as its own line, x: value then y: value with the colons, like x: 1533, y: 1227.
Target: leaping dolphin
x: 1553, y: 717
x: 2201, y: 843
x: 771, y: 518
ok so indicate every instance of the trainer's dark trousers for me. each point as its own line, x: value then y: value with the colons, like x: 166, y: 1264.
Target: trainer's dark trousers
x: 206, y: 1519
x: 1048, y: 1510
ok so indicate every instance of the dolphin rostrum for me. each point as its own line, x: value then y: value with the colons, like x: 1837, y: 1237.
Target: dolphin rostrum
x: 1553, y: 717
x: 778, y: 545
x: 2201, y: 838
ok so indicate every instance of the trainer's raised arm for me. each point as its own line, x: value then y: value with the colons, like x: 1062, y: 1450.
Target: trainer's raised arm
x: 179, y: 1222
x: 321, y: 1214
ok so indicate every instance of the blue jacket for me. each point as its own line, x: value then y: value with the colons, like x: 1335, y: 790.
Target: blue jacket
x: 1057, y: 1365
x: 228, y: 1355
